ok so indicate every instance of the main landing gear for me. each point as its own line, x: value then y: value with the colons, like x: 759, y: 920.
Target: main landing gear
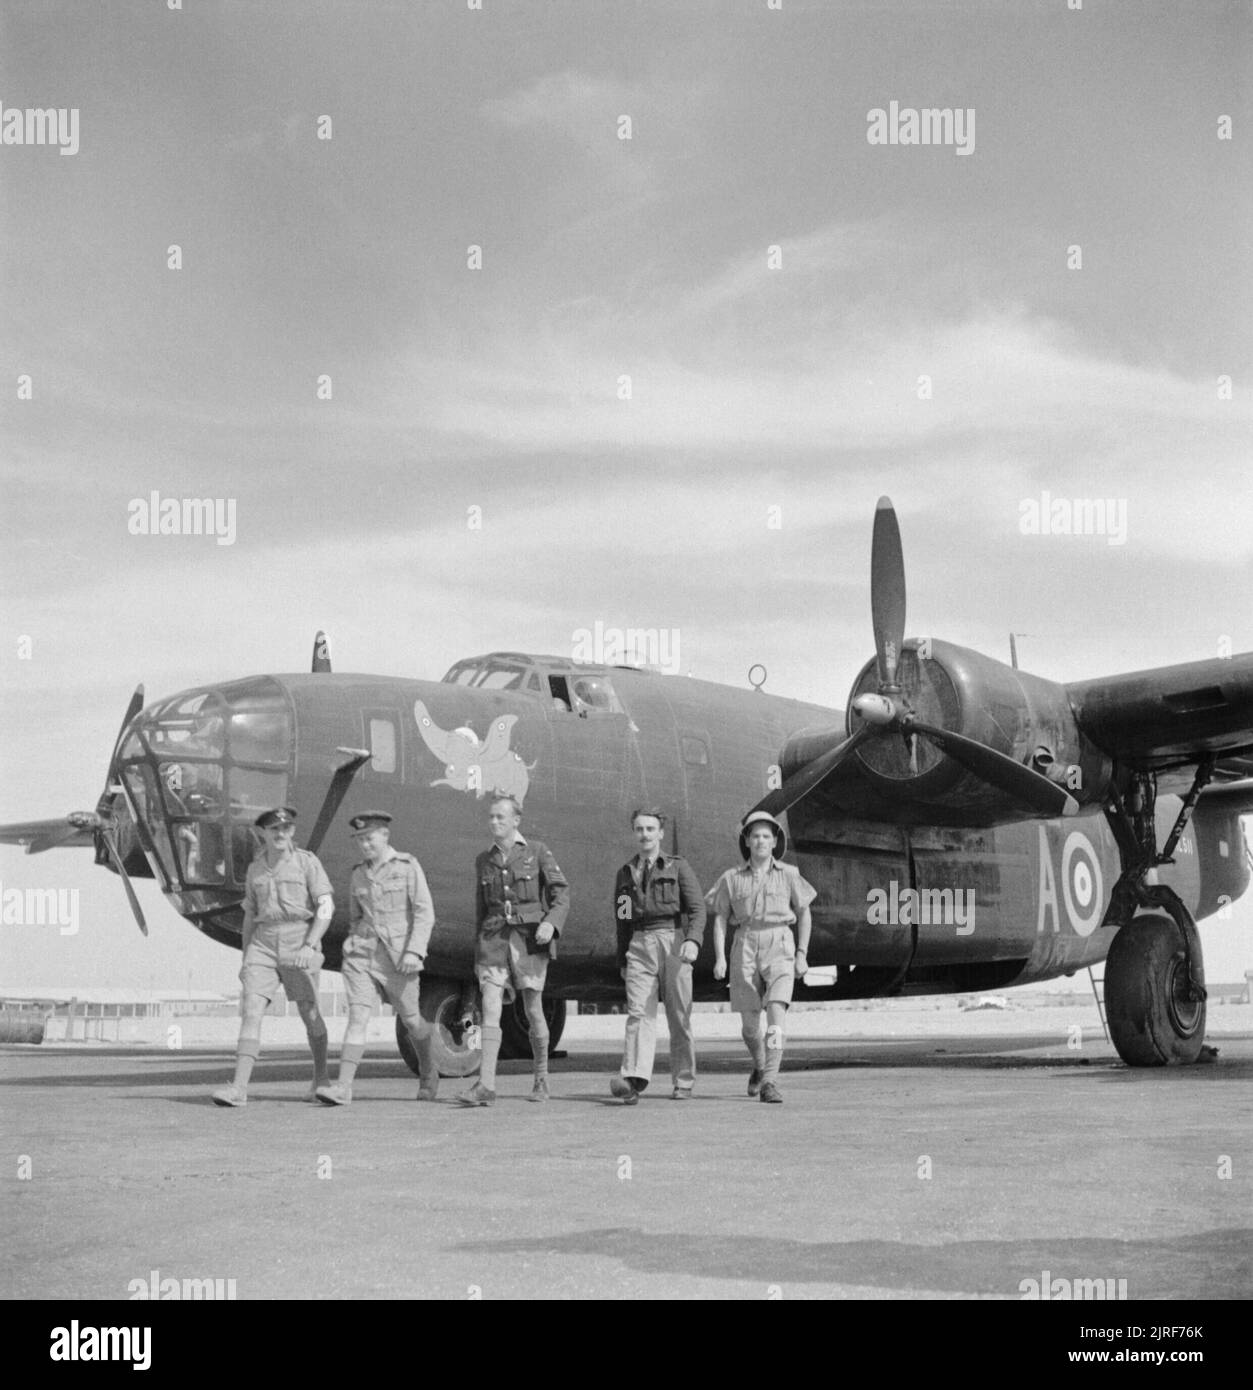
x: 1154, y: 976
x: 453, y: 1009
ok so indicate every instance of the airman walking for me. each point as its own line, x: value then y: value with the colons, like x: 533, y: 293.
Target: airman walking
x: 390, y: 917
x: 661, y: 923
x: 521, y: 902
x: 762, y: 899
x: 287, y: 908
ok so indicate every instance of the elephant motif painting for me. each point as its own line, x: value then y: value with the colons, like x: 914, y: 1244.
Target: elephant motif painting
x: 472, y: 764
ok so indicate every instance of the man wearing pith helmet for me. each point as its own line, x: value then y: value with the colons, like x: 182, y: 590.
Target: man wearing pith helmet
x: 762, y: 899
x: 287, y: 909
x: 390, y: 916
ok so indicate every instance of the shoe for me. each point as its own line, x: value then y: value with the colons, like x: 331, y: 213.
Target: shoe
x: 478, y: 1094
x: 681, y: 1093
x: 428, y: 1091
x: 770, y: 1094
x: 539, y: 1091
x: 754, y: 1082
x: 230, y: 1095
x: 310, y: 1097
x: 626, y: 1089
x: 334, y: 1095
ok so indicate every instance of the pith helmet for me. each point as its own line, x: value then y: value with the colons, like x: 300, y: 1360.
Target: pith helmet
x: 780, y: 835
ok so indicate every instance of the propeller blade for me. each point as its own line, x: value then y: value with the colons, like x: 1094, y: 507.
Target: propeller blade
x: 887, y: 592
x: 321, y: 653
x: 110, y: 843
x: 803, y: 782
x: 136, y: 704
x: 998, y: 770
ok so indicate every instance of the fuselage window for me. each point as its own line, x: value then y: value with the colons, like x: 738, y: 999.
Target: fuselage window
x: 382, y: 745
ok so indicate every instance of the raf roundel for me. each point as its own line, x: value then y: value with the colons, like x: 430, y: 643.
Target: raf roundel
x: 1083, y: 886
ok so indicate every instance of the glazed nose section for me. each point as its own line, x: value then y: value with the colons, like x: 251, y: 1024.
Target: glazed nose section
x: 197, y: 771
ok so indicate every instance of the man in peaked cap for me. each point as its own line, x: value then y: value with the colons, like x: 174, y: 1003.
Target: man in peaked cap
x: 390, y: 917
x: 763, y: 898
x: 287, y: 908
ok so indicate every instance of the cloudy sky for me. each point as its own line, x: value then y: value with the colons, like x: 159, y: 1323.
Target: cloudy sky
x: 758, y: 379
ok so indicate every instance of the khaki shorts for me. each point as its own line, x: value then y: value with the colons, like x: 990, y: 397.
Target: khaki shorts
x: 267, y: 963
x: 762, y: 968
x: 504, y: 954
x: 370, y: 975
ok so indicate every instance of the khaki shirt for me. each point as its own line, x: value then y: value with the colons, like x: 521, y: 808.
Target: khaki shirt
x: 288, y: 891
x: 772, y: 899
x: 390, y: 902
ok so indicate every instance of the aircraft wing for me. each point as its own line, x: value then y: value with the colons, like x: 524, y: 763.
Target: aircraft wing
x: 1173, y: 717
x: 62, y: 832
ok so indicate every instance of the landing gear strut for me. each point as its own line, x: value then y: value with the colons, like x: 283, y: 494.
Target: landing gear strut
x: 1154, y: 976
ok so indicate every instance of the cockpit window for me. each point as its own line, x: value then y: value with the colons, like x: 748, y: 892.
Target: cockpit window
x: 501, y: 678
x: 488, y: 674
x: 593, y: 695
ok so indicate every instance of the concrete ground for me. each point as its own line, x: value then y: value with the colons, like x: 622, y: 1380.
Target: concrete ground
x: 956, y: 1158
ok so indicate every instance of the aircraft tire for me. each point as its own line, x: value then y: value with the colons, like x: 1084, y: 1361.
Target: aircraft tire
x: 1151, y: 1020
x: 516, y: 1042
x: 441, y: 1006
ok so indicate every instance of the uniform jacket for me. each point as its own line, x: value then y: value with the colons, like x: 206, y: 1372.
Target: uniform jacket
x: 526, y: 889
x: 671, y: 899
x: 390, y: 903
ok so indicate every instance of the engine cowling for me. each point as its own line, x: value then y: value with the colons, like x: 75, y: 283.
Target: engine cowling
x: 1024, y: 717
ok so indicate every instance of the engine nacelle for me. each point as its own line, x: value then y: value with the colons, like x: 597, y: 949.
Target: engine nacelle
x: 1025, y: 717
